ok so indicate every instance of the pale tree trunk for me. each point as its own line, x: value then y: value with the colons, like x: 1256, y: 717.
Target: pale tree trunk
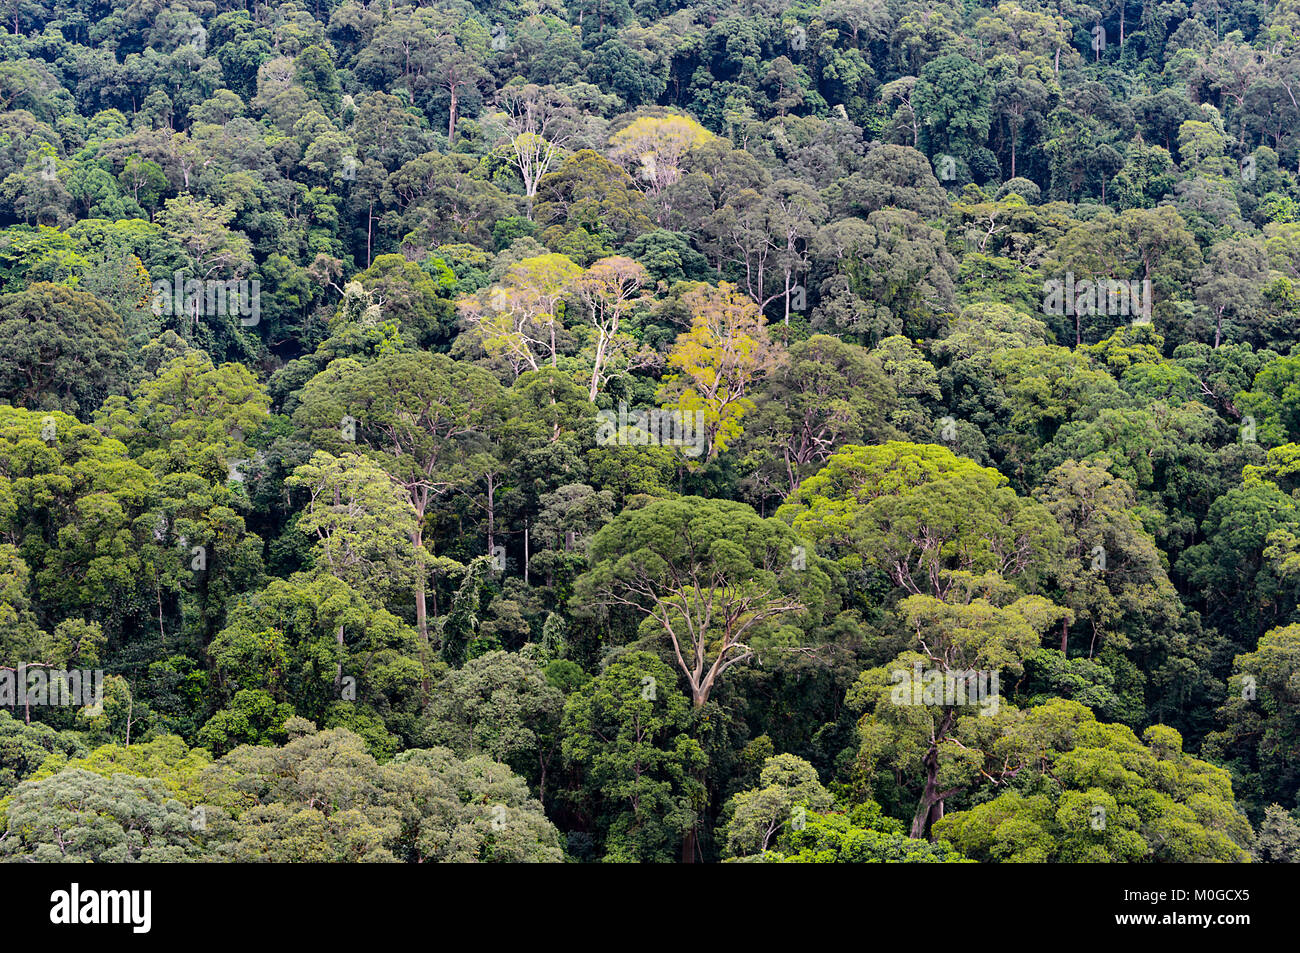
x: 491, y: 512
x: 370, y: 229
x: 338, y: 669
x: 421, y: 607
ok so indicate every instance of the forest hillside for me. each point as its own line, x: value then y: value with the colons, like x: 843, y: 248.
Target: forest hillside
x: 650, y: 430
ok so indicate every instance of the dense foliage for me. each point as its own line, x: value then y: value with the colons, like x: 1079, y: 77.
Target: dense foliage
x: 339, y: 343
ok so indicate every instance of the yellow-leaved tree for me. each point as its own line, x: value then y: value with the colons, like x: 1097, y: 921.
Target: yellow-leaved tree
x: 652, y: 149
x: 714, y: 365
x: 519, y: 320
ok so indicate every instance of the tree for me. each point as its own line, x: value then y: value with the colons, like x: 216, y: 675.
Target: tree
x: 610, y: 290
x: 1278, y: 838
x: 519, y: 320
x: 828, y: 393
x: 626, y: 729
x: 407, y: 412
x: 190, y: 416
x: 322, y: 798
x: 787, y: 784
x: 1147, y: 244
x: 362, y: 524
x: 927, y: 519
x: 896, y: 264
x: 202, y: 230
x: 27, y: 746
x: 861, y: 836
x: 1021, y: 100
x: 1113, y: 576
x: 1163, y: 804
x: 902, y: 90
x: 77, y: 815
x: 898, y: 177
x: 1236, y: 272
x: 298, y: 638
x: 710, y: 577
x: 60, y: 349
x: 499, y: 705
x: 1258, y: 738
x: 653, y: 150
x: 961, y: 646
x: 590, y: 195
x: 713, y: 366
x: 952, y: 99
x: 539, y: 123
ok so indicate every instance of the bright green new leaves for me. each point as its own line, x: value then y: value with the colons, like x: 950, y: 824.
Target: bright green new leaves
x: 963, y: 647
x: 975, y: 632
x: 922, y: 516
x: 77, y: 505
x: 788, y: 790
x: 862, y: 836
x: 713, y: 366
x: 1097, y: 794
x: 191, y: 416
x: 1273, y: 402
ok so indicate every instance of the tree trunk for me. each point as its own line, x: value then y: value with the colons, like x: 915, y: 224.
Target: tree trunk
x: 929, y: 797
x: 688, y: 847
x: 930, y: 808
x: 338, y: 669
x: 370, y: 228
x: 421, y: 609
